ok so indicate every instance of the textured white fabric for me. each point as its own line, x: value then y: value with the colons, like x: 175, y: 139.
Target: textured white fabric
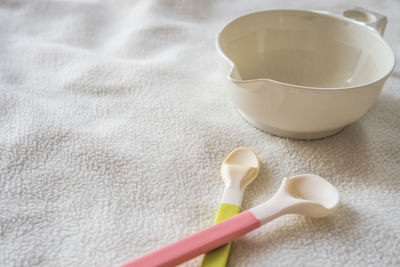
x: 114, y: 123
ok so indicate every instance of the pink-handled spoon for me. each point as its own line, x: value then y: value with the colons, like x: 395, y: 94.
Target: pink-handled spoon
x: 306, y: 194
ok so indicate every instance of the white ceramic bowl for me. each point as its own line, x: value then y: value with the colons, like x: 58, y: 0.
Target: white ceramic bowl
x: 304, y: 74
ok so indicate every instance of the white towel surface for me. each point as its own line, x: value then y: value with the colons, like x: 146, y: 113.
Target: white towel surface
x: 114, y: 122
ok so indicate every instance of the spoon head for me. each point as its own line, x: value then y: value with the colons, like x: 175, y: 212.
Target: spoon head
x: 240, y: 167
x: 315, y: 196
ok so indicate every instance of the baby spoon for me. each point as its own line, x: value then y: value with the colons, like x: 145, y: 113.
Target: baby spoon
x: 238, y: 170
x: 306, y: 194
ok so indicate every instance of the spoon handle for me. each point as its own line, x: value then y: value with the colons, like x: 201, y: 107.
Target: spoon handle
x: 200, y: 242
x: 219, y: 256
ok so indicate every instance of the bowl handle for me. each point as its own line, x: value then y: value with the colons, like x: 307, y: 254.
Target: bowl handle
x: 367, y: 17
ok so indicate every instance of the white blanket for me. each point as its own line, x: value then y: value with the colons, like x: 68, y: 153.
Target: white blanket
x: 114, y: 122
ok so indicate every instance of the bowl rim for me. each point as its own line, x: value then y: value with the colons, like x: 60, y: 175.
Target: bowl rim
x: 294, y: 86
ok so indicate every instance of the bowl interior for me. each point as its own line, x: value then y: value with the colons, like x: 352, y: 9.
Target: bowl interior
x: 304, y: 48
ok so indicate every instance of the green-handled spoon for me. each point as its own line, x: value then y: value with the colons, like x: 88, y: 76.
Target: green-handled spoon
x: 238, y: 170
